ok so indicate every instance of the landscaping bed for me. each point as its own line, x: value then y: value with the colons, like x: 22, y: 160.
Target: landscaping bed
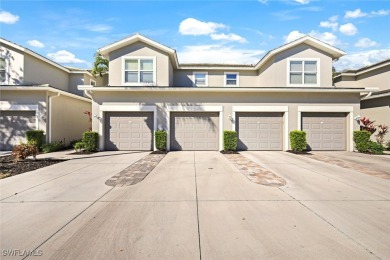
x: 8, y: 167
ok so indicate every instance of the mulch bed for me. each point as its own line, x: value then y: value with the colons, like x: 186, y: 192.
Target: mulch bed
x: 159, y: 152
x: 296, y: 152
x: 82, y: 152
x: 229, y: 152
x: 8, y: 167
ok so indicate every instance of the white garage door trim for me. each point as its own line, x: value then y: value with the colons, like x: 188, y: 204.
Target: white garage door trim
x: 283, y: 109
x: 341, y: 109
x: 11, y: 107
x: 123, y: 108
x: 195, y: 109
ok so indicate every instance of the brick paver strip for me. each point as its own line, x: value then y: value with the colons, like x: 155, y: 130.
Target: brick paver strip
x: 135, y: 172
x: 254, y: 172
x: 350, y: 165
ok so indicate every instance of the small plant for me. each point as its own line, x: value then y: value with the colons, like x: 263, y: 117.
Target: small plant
x: 364, y: 144
x: 35, y: 136
x: 89, y: 114
x: 90, y: 140
x: 298, y: 141
x: 388, y: 145
x: 73, y: 142
x: 367, y: 125
x: 383, y: 129
x: 23, y: 150
x: 53, y: 147
x: 79, y: 146
x: 376, y: 148
x: 160, y: 137
x: 229, y: 140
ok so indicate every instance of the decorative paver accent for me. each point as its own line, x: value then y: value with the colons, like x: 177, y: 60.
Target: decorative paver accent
x: 254, y: 172
x: 350, y: 165
x: 135, y: 172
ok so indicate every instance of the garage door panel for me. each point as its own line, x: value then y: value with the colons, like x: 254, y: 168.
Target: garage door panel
x: 129, y: 130
x: 325, y: 131
x: 13, y: 127
x: 194, y: 130
x: 259, y: 131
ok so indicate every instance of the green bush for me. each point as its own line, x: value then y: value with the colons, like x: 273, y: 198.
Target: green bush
x: 388, y: 145
x: 229, y: 140
x: 22, y: 151
x: 90, y: 140
x: 73, y: 142
x: 79, y: 146
x: 298, y: 141
x: 364, y: 144
x: 53, y: 147
x: 362, y: 141
x: 160, y: 137
x: 35, y: 136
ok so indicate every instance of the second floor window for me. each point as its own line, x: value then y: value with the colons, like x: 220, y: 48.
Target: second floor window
x: 303, y: 72
x: 139, y: 70
x: 3, y: 70
x: 200, y: 79
x: 231, y: 79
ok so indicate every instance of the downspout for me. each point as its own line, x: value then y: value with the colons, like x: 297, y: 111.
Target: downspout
x: 50, y: 114
x: 88, y: 93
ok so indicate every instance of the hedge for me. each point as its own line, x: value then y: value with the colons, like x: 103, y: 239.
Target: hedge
x: 362, y: 141
x: 53, y: 147
x: 229, y: 140
x: 36, y: 137
x: 298, y: 141
x: 160, y: 137
x: 90, y: 140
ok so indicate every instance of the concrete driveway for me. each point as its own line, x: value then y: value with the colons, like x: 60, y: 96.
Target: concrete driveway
x: 196, y: 205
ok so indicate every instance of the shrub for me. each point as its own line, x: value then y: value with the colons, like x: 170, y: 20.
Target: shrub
x: 53, y: 147
x: 22, y: 151
x: 229, y: 140
x: 35, y: 136
x: 362, y: 141
x: 376, y: 148
x: 388, y: 145
x: 90, y: 140
x: 298, y: 140
x: 73, y: 142
x: 383, y: 129
x: 160, y: 137
x: 79, y: 146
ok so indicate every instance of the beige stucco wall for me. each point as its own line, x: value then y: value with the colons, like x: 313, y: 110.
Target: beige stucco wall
x: 378, y: 110
x: 116, y: 70
x: 74, y: 81
x: 227, y: 100
x: 68, y: 118
x: 37, y: 71
x: 18, y: 97
x: 15, y: 61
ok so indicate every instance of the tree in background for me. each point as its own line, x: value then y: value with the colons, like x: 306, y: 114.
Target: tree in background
x: 100, y: 65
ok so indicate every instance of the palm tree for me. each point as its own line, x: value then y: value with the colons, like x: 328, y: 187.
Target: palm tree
x: 100, y: 65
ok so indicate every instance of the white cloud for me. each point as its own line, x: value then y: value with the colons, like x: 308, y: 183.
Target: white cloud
x: 326, y: 37
x: 219, y: 54
x: 65, y: 57
x: 36, y: 44
x: 293, y: 35
x: 348, y: 29
x: 328, y: 24
x: 302, y: 1
x: 366, y: 43
x: 8, y: 18
x: 228, y: 37
x: 263, y: 1
x: 361, y: 59
x: 98, y: 28
x: 191, y: 26
x: 354, y: 14
x: 381, y: 12
x: 333, y: 18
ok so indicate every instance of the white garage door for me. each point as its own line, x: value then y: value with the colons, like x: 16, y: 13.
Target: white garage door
x: 259, y: 131
x: 325, y: 131
x: 129, y: 131
x: 13, y: 127
x: 194, y: 131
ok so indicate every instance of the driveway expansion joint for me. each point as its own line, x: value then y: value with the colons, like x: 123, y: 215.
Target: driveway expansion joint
x: 135, y: 172
x: 255, y: 172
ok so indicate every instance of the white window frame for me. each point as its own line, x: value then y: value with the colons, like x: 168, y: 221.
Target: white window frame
x: 124, y: 58
x: 206, y: 78
x: 90, y: 82
x: 303, y: 72
x: 237, y: 79
x: 6, y: 81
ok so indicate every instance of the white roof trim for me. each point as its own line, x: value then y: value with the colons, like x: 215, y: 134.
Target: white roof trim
x: 44, y: 88
x: 226, y: 89
x: 336, y: 53
x: 375, y: 67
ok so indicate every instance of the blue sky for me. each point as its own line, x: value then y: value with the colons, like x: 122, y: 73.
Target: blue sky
x: 70, y: 32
